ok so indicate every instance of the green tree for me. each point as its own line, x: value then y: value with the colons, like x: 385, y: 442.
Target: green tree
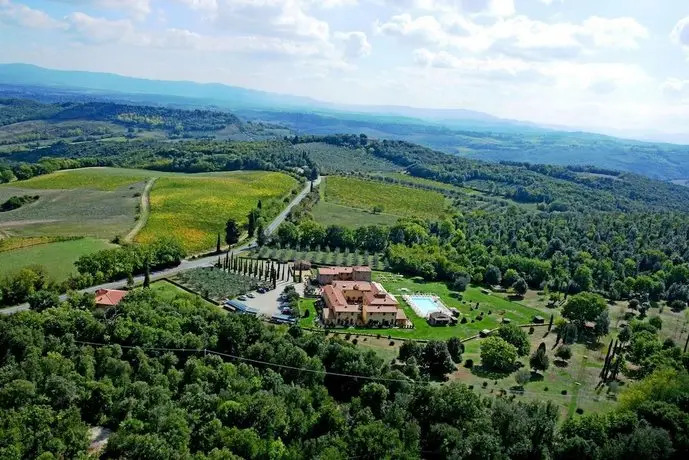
x: 522, y: 377
x: 252, y: 222
x: 516, y: 336
x: 656, y: 322
x: 410, y: 349
x: 261, y: 237
x: 583, y: 276
x: 456, y: 348
x: 42, y: 300
x: 493, y: 277
x: 511, y: 277
x: 539, y: 360
x: 584, y: 307
x: 232, y: 232
x: 436, y: 359
x: 147, y: 275
x: 217, y: 245
x: 520, y: 287
x: 497, y: 354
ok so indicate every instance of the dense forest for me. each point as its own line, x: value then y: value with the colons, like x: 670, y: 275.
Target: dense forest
x: 184, y: 156
x: 578, y: 188
x: 137, y: 116
x: 182, y: 380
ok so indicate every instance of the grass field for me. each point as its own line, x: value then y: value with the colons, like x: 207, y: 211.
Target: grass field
x: 57, y: 258
x: 427, y: 183
x: 169, y: 292
x: 195, y: 209
x: 76, y: 212
x: 349, y: 202
x: 106, y: 179
x: 332, y: 158
x: 395, y: 199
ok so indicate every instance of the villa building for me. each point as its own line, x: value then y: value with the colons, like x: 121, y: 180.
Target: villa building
x: 360, y: 303
x: 106, y: 298
x: 326, y: 275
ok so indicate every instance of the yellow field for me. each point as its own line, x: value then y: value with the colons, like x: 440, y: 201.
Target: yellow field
x: 195, y: 210
x: 106, y: 179
x: 395, y: 200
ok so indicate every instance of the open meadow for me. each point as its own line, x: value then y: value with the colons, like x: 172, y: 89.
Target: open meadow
x: 92, y: 202
x: 194, y: 209
x: 57, y: 258
x: 350, y: 201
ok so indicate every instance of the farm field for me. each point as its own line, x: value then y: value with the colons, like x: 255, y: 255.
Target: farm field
x: 57, y: 258
x: 74, y: 212
x: 376, y: 261
x: 169, y: 292
x: 106, y: 179
x: 333, y: 159
x: 427, y: 183
x: 194, y: 209
x: 350, y: 201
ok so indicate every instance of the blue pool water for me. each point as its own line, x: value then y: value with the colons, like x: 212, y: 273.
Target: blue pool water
x: 424, y: 305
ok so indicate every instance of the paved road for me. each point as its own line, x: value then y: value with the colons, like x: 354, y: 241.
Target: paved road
x: 187, y: 263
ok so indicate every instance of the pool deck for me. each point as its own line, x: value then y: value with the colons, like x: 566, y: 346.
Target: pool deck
x: 423, y: 312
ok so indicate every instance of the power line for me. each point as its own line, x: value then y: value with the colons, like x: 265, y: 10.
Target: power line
x: 582, y: 395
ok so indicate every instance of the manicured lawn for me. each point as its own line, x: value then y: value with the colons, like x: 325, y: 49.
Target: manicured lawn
x: 57, y: 258
x: 395, y: 200
x: 497, y: 307
x: 195, y: 209
x: 310, y: 305
x: 169, y: 292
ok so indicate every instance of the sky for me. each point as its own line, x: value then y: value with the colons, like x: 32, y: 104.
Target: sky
x: 613, y: 65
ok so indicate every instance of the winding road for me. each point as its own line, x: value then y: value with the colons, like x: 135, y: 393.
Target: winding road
x: 187, y: 264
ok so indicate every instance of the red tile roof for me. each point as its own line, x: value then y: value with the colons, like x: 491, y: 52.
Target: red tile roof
x: 109, y: 297
x: 363, y: 286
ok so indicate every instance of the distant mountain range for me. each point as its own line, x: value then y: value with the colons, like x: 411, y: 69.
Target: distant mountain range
x: 458, y: 131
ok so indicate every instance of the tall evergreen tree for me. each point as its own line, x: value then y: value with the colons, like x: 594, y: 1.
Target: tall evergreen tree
x: 147, y: 274
x: 217, y: 246
x: 232, y: 232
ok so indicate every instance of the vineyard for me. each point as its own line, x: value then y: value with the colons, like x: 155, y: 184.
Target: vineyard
x: 325, y: 257
x: 333, y: 159
x: 217, y: 284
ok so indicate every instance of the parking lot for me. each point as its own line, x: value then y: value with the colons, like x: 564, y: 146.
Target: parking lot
x: 268, y: 304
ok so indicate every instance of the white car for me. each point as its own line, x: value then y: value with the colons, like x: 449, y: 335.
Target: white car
x: 241, y: 297
x: 251, y: 296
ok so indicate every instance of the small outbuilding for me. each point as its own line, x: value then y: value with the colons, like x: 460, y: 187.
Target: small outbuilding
x: 538, y: 320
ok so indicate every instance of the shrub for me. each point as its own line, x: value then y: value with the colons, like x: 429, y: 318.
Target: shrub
x: 545, y: 389
x: 469, y: 363
x: 564, y: 352
x: 485, y: 384
x: 531, y: 330
x: 656, y: 322
x: 392, y: 343
x: 464, y: 320
x: 471, y: 387
x: 580, y: 410
x: 347, y: 336
x: 355, y: 341
x: 563, y: 392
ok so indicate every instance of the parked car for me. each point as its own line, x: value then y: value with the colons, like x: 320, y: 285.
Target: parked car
x: 250, y: 295
x: 286, y: 311
x: 261, y: 290
x: 241, y: 297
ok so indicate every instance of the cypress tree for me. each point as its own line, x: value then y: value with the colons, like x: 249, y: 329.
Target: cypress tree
x: 217, y: 246
x: 603, y: 372
x: 147, y: 275
x: 550, y: 326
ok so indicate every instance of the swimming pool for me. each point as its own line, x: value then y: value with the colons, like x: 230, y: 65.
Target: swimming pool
x: 424, y: 305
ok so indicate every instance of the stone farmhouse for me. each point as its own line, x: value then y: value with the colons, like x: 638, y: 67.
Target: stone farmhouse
x: 326, y: 275
x: 360, y: 303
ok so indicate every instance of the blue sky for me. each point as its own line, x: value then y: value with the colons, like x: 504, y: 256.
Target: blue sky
x: 615, y: 65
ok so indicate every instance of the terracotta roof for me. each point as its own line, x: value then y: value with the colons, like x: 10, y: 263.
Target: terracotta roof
x: 340, y: 270
x: 401, y: 314
x: 361, y: 268
x: 381, y: 308
x: 109, y: 297
x: 363, y: 286
x: 334, y: 296
x: 380, y: 299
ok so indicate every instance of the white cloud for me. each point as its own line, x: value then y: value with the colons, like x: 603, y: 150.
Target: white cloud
x: 88, y: 29
x: 674, y: 88
x: 518, y: 35
x: 355, y: 44
x: 24, y: 16
x: 680, y: 33
x: 138, y: 9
